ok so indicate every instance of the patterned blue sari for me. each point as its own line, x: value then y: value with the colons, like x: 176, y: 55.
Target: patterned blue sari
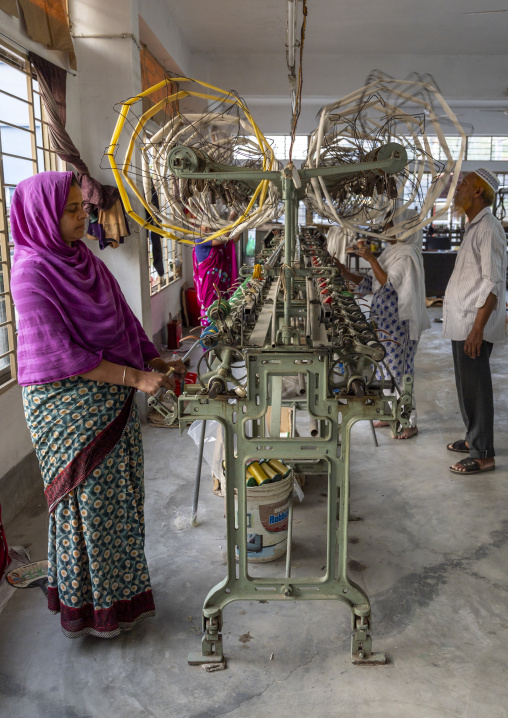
x: 87, y: 439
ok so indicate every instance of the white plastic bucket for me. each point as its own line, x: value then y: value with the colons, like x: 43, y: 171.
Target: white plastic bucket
x: 267, y: 520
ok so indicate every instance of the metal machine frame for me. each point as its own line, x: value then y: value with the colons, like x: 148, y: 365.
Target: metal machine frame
x: 288, y: 331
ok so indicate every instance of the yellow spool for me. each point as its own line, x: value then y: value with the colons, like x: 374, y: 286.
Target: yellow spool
x: 258, y: 473
x: 279, y: 467
x: 250, y: 479
x: 269, y: 471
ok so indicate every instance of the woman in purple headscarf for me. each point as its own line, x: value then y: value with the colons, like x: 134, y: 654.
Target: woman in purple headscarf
x: 81, y: 356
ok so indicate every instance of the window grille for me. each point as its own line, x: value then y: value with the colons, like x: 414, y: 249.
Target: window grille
x: 24, y: 151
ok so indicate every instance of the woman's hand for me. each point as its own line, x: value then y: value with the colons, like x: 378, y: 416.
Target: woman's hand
x: 365, y: 253
x: 178, y: 367
x: 148, y: 381
x: 349, y: 276
x: 162, y: 366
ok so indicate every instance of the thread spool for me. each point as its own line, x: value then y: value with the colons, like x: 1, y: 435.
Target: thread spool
x: 280, y: 467
x: 250, y: 479
x: 258, y: 473
x: 270, y: 472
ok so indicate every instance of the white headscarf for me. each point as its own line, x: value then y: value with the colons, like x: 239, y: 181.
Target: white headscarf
x: 337, y: 240
x: 403, y: 262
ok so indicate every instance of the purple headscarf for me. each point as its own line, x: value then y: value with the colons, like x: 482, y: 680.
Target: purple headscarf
x: 71, y: 311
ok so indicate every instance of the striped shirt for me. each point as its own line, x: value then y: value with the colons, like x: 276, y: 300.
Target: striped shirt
x: 480, y: 270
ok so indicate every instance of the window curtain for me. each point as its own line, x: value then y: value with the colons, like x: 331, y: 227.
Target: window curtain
x: 46, y: 22
x: 52, y: 82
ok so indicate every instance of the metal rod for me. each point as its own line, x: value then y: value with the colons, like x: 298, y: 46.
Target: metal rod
x: 308, y: 324
x: 289, y: 235
x: 194, y: 515
x: 390, y: 166
x: 291, y: 34
x: 274, y: 314
x: 373, y: 432
x: 290, y: 537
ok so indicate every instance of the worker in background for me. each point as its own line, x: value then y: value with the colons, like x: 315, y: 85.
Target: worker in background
x: 474, y: 315
x: 215, y: 269
x: 81, y: 356
x: 398, y: 305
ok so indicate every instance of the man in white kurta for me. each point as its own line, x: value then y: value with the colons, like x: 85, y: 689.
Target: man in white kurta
x: 474, y: 317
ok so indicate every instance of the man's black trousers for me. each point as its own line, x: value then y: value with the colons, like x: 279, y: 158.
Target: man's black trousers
x: 476, y: 400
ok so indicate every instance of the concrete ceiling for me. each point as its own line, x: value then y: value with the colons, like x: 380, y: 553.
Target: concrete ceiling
x: 347, y: 26
x: 240, y: 44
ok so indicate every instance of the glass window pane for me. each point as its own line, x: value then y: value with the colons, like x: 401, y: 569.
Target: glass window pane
x: 40, y: 161
x: 299, y: 148
x: 500, y: 148
x: 13, y: 111
x: 9, y: 191
x: 37, y: 106
x: 4, y: 347
x: 38, y: 134
x: 16, y: 170
x: 35, y: 86
x: 13, y: 81
x: 453, y: 146
x: 16, y: 141
x: 479, y: 148
x: 278, y: 144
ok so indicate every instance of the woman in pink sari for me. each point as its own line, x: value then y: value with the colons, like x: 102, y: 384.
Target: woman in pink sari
x: 215, y: 269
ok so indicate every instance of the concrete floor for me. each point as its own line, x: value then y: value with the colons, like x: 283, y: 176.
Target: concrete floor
x: 431, y: 551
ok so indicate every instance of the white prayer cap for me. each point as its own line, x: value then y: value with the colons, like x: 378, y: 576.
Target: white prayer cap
x: 488, y: 177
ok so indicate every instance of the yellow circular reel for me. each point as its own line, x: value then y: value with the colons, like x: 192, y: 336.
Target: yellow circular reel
x: 123, y: 179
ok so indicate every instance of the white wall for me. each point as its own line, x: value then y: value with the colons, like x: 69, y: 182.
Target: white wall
x: 109, y: 72
x: 159, y: 32
x: 14, y: 435
x: 168, y: 300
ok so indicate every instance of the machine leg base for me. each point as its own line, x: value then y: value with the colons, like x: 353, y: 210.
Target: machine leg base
x: 197, y: 659
x: 374, y: 659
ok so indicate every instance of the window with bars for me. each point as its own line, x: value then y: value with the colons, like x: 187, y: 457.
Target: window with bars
x: 491, y: 149
x: 170, y: 261
x: 24, y: 151
x: 281, y: 144
x: 478, y: 149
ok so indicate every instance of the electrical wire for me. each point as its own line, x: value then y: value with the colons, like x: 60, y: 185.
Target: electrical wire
x: 298, y: 100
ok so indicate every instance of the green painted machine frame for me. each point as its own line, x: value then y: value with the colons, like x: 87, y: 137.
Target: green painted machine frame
x: 269, y: 356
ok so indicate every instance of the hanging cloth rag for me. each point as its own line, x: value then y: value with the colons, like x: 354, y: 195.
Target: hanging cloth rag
x: 52, y: 82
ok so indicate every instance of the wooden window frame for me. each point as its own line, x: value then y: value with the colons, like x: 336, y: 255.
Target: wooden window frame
x: 42, y: 158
